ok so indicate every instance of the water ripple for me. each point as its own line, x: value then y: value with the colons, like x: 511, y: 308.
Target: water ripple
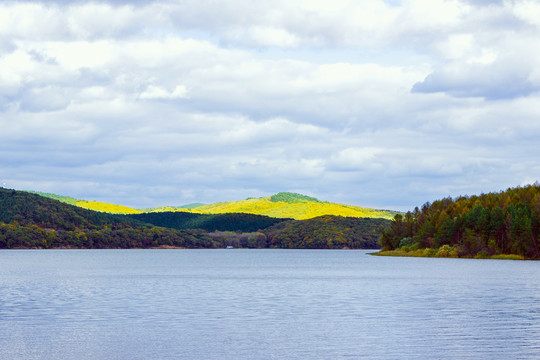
x: 264, y: 304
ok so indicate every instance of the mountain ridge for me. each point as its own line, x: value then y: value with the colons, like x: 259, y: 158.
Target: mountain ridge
x: 280, y: 205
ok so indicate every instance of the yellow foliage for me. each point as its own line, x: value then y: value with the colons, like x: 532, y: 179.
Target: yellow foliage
x: 261, y: 206
x: 105, y: 207
x: 298, y: 211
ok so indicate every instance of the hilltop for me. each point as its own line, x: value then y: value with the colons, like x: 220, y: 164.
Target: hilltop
x: 281, y: 205
x: 292, y: 205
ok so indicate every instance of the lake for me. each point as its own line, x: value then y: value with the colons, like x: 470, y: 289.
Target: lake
x: 264, y: 304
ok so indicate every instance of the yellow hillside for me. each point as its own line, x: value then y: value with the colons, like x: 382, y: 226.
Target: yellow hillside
x: 298, y: 210
x: 105, y: 207
x: 281, y: 205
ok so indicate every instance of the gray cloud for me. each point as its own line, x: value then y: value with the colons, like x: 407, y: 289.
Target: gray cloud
x: 491, y: 82
x: 44, y: 99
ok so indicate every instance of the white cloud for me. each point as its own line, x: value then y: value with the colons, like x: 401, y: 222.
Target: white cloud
x: 269, y: 36
x: 356, y: 159
x: 457, y: 46
x: 528, y: 10
x: 156, y: 92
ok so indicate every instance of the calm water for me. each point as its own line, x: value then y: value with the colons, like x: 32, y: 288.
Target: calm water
x: 264, y: 304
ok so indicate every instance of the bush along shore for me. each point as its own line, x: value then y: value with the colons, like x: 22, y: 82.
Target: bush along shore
x: 445, y: 251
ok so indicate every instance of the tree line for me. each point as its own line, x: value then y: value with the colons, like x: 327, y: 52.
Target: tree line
x: 209, y: 222
x: 507, y: 222
x: 326, y: 232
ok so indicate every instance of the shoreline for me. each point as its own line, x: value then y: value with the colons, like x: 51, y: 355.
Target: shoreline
x: 432, y: 253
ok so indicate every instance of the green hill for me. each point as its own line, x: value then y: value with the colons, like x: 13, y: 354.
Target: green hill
x: 32, y: 221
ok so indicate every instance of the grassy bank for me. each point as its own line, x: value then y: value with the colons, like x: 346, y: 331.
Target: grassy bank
x: 444, y: 251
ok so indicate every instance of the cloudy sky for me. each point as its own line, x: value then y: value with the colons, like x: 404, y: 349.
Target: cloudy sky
x: 376, y: 103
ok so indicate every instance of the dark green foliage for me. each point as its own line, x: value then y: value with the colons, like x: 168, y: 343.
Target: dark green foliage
x: 496, y: 223
x: 222, y: 222
x: 326, y: 232
x: 27, y: 208
x: 292, y: 198
x: 32, y: 236
x: 253, y: 240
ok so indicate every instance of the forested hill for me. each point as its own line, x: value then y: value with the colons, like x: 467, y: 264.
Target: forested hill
x: 494, y: 224
x: 31, y: 209
x: 326, y: 232
x: 32, y: 221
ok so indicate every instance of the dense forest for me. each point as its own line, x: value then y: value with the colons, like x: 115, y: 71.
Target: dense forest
x: 216, y: 222
x: 32, y: 221
x: 326, y: 232
x: 488, y: 225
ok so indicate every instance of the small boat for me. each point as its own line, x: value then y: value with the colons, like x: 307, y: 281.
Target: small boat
x: 230, y: 247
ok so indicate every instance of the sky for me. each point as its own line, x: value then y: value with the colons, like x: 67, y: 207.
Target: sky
x: 376, y: 103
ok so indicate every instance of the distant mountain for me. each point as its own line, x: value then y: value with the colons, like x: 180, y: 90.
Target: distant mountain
x: 191, y: 206
x: 295, y: 206
x: 281, y: 205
